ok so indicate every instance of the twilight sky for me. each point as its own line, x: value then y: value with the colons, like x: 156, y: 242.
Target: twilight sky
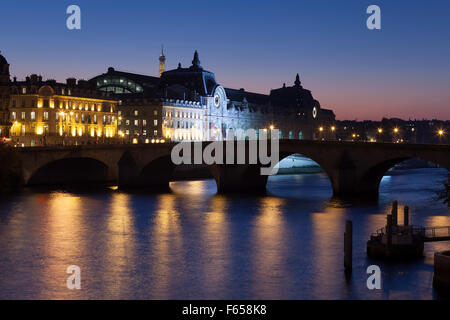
x: 402, y: 70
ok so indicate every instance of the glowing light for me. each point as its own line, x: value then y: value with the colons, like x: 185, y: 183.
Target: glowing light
x: 153, y: 140
x: 380, y: 130
x: 395, y: 130
x: 39, y: 130
x: 320, y: 129
x: 135, y: 141
x: 354, y: 135
x: 441, y: 132
x: 272, y: 127
x: 333, y: 128
x: 147, y: 141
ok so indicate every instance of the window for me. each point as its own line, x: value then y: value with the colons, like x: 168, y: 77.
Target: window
x: 24, y: 90
x: 155, y: 132
x: 22, y: 116
x: 136, y: 122
x: 136, y: 113
x: 13, y: 115
x: 119, y: 113
x: 45, y: 103
x: 95, y: 118
x: 144, y: 132
x: 45, y: 116
x: 155, y: 122
x: 144, y: 122
x: 127, y: 122
x: 127, y: 132
x: 155, y: 112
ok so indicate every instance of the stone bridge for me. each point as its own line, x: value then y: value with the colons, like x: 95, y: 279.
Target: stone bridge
x: 354, y: 168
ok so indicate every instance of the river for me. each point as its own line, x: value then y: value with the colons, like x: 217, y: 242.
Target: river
x: 194, y: 244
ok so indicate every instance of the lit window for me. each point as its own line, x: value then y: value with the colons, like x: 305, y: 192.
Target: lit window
x: 45, y: 116
x: 155, y: 112
x: 127, y: 122
x: 24, y: 90
x: 13, y: 115
x: 155, y: 122
x: 136, y: 113
x: 136, y: 122
x: 23, y: 116
x: 155, y: 132
x: 144, y: 122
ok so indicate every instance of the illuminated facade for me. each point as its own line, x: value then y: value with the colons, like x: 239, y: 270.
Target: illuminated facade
x: 51, y: 113
x: 191, y: 105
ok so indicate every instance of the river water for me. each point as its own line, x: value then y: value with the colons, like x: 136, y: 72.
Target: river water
x: 194, y: 244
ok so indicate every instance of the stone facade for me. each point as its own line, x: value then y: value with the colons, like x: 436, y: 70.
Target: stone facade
x: 51, y: 113
x: 194, y: 106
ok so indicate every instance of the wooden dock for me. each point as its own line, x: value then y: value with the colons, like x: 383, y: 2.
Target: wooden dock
x: 403, y: 241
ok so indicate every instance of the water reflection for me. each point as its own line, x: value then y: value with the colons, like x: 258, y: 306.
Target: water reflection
x: 216, y: 247
x: 269, y: 249
x: 166, y: 249
x: 192, y: 243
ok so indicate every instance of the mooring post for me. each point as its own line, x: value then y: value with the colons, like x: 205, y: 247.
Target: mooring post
x: 395, y: 213
x: 389, y: 233
x: 406, y: 216
x: 348, y: 246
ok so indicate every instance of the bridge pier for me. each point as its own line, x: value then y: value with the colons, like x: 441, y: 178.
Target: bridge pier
x: 238, y: 178
x: 348, y: 181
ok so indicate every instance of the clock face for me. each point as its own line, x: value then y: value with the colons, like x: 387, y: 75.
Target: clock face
x: 314, y: 112
x: 216, y: 100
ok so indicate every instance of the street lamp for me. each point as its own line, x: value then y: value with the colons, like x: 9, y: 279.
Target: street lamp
x: 320, y: 129
x: 380, y: 130
x: 333, y: 128
x: 396, y: 130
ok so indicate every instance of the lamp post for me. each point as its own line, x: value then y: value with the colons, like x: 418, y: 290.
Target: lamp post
x: 441, y: 133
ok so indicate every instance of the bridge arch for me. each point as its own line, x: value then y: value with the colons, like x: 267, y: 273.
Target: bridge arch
x: 371, y: 179
x: 300, y: 164
x: 157, y: 173
x: 69, y: 171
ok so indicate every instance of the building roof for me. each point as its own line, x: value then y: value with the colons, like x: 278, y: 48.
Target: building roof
x: 194, y: 78
x: 251, y: 97
x: 3, y: 60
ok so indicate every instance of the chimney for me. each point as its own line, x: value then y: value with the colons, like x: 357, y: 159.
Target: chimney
x: 71, y: 82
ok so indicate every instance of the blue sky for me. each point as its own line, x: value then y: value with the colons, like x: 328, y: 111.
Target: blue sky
x: 402, y: 70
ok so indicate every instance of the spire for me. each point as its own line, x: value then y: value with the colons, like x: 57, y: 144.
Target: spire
x: 196, y: 61
x: 297, y: 81
x: 162, y: 61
